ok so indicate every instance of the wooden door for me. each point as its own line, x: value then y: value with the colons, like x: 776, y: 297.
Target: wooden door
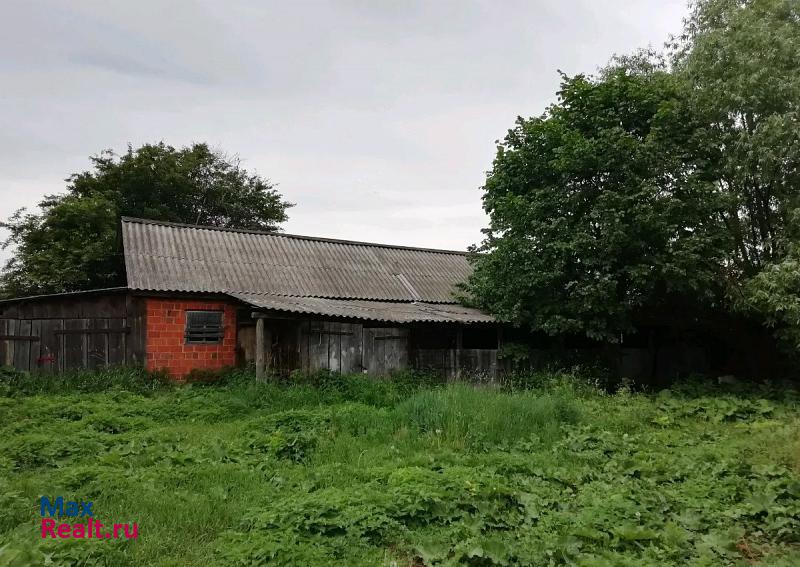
x: 385, y: 350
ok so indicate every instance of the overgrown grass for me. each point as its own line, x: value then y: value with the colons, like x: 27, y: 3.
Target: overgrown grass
x: 129, y: 379
x: 468, y: 416
x: 353, y: 470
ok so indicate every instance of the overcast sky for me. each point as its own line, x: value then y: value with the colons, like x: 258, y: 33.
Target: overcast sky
x: 378, y: 118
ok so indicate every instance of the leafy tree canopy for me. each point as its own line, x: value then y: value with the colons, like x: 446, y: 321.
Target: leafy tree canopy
x: 742, y: 59
x: 74, y: 244
x: 597, y: 208
x: 742, y: 62
x: 666, y: 177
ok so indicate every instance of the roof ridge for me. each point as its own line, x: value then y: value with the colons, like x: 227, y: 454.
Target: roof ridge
x: 126, y: 219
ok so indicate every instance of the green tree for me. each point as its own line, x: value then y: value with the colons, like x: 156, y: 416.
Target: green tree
x: 74, y: 244
x: 600, y: 208
x: 742, y: 60
x: 655, y: 182
x: 774, y: 294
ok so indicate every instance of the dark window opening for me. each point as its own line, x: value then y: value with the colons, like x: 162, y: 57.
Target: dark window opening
x: 479, y: 338
x: 204, y: 327
x: 524, y: 336
x: 434, y: 338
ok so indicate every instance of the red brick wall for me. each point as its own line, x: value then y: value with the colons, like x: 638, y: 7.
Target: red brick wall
x: 166, y: 346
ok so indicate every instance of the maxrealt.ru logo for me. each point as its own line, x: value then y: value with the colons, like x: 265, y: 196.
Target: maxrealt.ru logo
x: 92, y: 528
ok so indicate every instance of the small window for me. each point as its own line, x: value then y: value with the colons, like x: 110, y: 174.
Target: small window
x: 204, y: 327
x: 434, y: 337
x: 479, y: 338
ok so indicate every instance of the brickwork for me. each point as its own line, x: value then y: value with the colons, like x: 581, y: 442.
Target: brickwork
x: 166, y: 346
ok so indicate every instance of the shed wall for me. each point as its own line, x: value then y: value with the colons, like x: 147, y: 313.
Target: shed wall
x: 72, y: 332
x: 347, y: 347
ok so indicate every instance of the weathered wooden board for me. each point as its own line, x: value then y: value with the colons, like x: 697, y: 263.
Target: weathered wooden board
x: 385, y: 349
x: 478, y: 364
x: 36, y: 346
x: 351, y: 348
x: 50, y: 350
x: 97, y: 344
x: 10, y: 329
x: 22, y: 348
x: 373, y: 351
x: 75, y: 344
x: 468, y: 364
x: 116, y: 341
x: 334, y: 346
x: 133, y: 343
x: 439, y: 361
x: 246, y: 343
x: 331, y: 345
x: 316, y: 340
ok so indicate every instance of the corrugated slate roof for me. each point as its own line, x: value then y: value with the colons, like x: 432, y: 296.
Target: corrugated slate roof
x: 395, y: 312
x: 265, y: 268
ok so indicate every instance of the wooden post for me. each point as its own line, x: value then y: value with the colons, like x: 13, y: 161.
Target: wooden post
x: 459, y: 346
x: 497, y: 362
x: 260, y: 348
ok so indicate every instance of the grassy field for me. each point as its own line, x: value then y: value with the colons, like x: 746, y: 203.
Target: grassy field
x: 356, y: 471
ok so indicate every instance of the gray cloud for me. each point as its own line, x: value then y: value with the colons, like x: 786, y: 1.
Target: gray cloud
x: 377, y: 118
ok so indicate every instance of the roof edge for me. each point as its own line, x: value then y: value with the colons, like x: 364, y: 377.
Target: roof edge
x: 425, y: 312
x: 100, y: 290
x: 297, y: 236
x: 141, y: 290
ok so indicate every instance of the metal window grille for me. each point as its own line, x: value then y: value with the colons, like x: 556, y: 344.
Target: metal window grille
x: 204, y: 327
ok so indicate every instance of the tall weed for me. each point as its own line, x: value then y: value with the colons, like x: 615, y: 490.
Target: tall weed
x: 469, y: 416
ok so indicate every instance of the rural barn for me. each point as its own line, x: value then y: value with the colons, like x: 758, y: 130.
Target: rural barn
x: 205, y: 298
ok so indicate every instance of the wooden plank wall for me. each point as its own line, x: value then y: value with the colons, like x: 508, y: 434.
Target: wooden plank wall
x: 385, y: 349
x: 283, y: 339
x: 439, y: 361
x: 56, y: 345
x: 310, y: 345
x: 56, y: 335
x: 329, y: 345
x: 478, y: 364
x: 352, y: 347
x: 468, y: 364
